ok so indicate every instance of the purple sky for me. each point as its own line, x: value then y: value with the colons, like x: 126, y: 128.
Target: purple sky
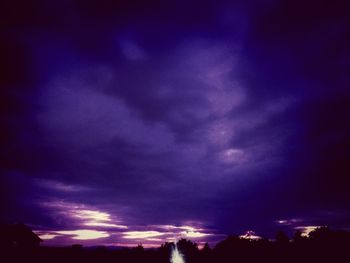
x: 143, y: 122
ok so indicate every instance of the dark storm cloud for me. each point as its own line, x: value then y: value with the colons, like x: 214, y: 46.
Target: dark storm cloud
x: 225, y: 117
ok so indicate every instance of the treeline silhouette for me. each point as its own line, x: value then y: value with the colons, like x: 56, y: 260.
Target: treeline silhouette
x: 20, y: 244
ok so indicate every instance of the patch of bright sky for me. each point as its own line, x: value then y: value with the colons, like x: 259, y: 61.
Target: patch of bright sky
x: 142, y: 234
x: 46, y: 236
x: 306, y: 230
x: 250, y: 235
x: 84, y: 234
x: 288, y: 222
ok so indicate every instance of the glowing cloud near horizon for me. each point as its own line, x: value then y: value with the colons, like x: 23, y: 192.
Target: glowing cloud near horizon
x: 84, y: 234
x: 46, y: 236
x: 142, y: 234
x: 96, y: 218
x: 250, y: 235
x: 194, y: 234
x: 306, y: 230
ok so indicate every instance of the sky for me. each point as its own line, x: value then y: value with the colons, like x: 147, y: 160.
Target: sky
x: 128, y: 122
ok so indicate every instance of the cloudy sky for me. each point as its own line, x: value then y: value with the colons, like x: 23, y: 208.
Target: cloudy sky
x: 126, y: 122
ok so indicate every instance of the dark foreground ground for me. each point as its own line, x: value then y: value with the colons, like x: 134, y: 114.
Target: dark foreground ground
x: 322, y: 245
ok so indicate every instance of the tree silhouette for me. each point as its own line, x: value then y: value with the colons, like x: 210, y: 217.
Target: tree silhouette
x: 206, y: 249
x: 321, y: 234
x: 188, y: 248
x: 298, y: 237
x: 281, y: 238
